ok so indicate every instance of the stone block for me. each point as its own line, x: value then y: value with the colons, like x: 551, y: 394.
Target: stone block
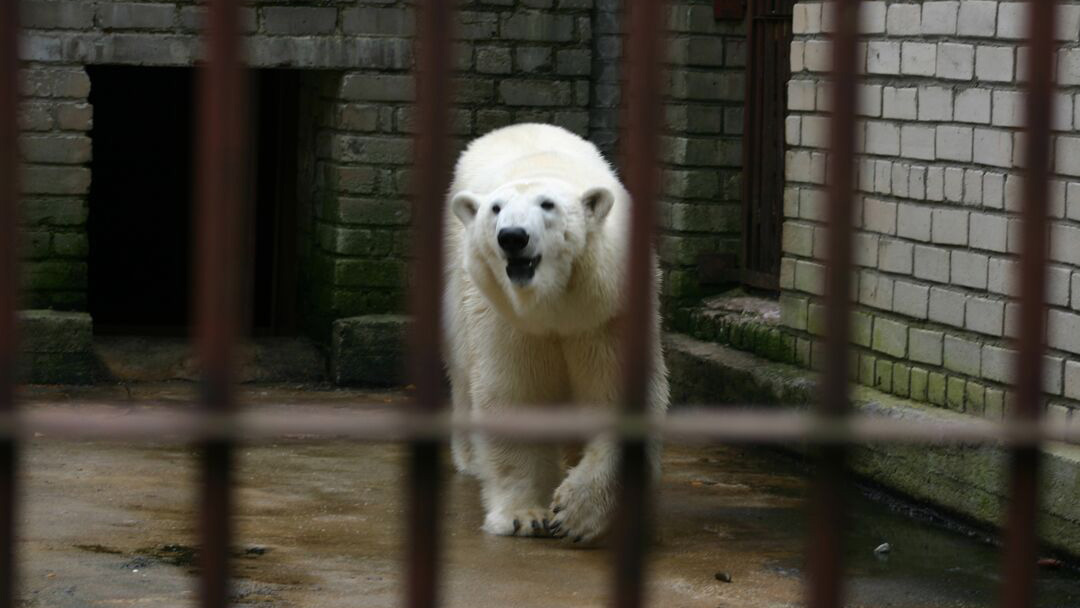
x: 46, y: 14
x: 136, y: 15
x: 56, y: 348
x: 369, y: 350
x: 939, y: 18
x: 299, y: 20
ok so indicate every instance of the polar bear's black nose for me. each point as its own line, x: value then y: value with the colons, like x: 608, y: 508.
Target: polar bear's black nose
x: 513, y: 240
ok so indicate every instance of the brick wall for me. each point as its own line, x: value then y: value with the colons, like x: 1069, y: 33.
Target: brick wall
x: 702, y: 146
x: 517, y: 60
x: 940, y: 112
x: 702, y: 149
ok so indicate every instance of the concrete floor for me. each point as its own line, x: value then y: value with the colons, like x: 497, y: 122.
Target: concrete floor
x: 320, y: 524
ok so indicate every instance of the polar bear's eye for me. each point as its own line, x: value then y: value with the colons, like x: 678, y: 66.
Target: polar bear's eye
x: 547, y: 205
x: 496, y: 209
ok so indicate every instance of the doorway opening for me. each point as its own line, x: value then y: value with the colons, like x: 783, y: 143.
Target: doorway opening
x: 141, y: 209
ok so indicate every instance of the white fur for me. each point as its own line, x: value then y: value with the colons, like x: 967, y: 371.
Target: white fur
x: 550, y: 341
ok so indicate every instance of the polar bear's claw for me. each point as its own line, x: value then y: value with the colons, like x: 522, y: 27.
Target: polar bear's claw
x: 524, y: 522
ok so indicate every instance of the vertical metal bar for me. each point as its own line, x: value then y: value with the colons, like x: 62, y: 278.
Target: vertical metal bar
x: 641, y: 141
x: 9, y: 196
x: 432, y: 151
x: 1020, y: 534
x: 221, y: 176
x: 825, y: 567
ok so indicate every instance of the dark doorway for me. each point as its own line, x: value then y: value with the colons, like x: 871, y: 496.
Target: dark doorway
x: 140, y: 221
x: 768, y: 71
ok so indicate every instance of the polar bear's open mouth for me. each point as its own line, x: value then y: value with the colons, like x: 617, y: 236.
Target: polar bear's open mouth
x: 521, y: 269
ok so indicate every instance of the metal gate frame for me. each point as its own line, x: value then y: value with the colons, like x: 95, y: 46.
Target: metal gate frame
x: 219, y: 423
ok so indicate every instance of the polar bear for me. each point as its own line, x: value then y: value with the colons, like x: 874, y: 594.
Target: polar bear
x: 537, y: 228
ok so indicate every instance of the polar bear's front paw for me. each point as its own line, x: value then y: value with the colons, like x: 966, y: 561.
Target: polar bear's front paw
x: 519, y: 522
x: 581, y: 512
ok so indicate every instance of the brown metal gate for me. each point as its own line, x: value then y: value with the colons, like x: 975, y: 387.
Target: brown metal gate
x: 830, y: 425
x: 768, y: 70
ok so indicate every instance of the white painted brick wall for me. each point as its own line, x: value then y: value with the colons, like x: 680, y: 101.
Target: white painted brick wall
x: 903, y: 19
x: 932, y: 264
x: 879, y: 216
x: 939, y: 17
x: 947, y: 306
x: 954, y: 184
x: 801, y: 94
x: 918, y: 58
x: 988, y: 231
x: 953, y: 143
x: 977, y: 18
x: 994, y: 190
x: 993, y: 147
x: 972, y: 187
x: 935, y: 103
x: 973, y: 105
x: 917, y: 141
x: 969, y: 269
x: 955, y: 61
x: 882, y: 138
x: 899, y: 103
x: 940, y: 146
x: 883, y: 57
x: 994, y: 63
x: 913, y: 222
x: 896, y: 256
x: 911, y: 299
x: 985, y: 316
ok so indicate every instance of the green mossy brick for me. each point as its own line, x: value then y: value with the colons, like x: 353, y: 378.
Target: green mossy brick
x: 788, y: 344
x: 867, y: 364
x: 364, y: 211
x: 736, y: 335
x: 71, y: 244
x: 994, y: 404
x: 935, y: 389
x: 802, y: 352
x: 35, y: 244
x: 682, y: 284
x: 54, y: 275
x: 976, y: 399
x: 348, y: 302
x: 369, y: 350
x: 901, y: 380
x: 36, y: 211
x: 50, y: 331
x: 920, y: 379
x: 883, y: 376
x: 956, y: 391
x: 353, y: 272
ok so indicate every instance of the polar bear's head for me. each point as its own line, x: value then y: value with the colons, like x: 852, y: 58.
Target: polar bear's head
x: 530, y: 233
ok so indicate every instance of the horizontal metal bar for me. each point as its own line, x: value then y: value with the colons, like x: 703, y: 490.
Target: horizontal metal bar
x: 86, y: 421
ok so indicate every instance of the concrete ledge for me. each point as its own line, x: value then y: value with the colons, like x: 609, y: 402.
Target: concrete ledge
x: 970, y: 481
x: 272, y: 359
x: 56, y: 348
x: 369, y: 350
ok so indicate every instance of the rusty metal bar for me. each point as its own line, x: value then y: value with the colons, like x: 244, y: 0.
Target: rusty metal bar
x: 824, y: 554
x: 96, y: 421
x: 222, y: 173
x: 644, y: 47
x: 9, y: 284
x: 1021, y: 541
x: 432, y: 153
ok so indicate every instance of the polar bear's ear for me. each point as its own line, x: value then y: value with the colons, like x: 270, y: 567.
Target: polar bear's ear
x: 464, y: 206
x: 598, y: 202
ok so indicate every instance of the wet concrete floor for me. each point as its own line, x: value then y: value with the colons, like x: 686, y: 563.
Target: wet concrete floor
x: 320, y: 524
